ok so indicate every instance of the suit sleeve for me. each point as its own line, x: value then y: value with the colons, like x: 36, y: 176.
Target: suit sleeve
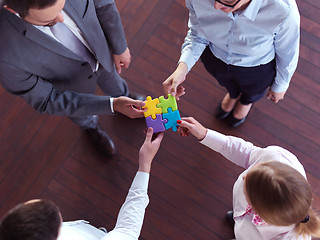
x: 111, y: 24
x: 41, y: 95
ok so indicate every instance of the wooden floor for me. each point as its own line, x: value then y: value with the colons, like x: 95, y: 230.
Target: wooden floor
x: 191, y: 186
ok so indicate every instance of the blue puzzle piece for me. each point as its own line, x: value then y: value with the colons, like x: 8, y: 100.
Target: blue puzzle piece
x: 157, y: 124
x: 172, y: 118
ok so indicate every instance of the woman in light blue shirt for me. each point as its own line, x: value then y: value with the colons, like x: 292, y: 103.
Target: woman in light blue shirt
x: 249, y: 46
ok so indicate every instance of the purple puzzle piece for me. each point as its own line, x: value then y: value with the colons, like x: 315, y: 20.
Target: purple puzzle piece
x: 157, y: 124
x: 172, y: 118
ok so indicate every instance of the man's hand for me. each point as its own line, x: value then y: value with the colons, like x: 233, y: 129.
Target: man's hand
x: 190, y: 125
x: 171, y: 84
x: 275, y: 97
x: 148, y: 150
x: 128, y: 107
x: 122, y: 60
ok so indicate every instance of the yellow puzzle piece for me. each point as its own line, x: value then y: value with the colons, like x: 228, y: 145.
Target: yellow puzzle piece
x: 152, y: 109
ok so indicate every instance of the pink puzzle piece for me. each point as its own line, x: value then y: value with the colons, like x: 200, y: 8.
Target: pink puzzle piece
x: 157, y: 124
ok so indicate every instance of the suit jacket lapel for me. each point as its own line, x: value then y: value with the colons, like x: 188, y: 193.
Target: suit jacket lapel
x: 35, y: 35
x: 77, y: 14
x: 48, y: 42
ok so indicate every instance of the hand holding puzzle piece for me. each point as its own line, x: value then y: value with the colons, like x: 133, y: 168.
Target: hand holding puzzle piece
x: 162, y: 113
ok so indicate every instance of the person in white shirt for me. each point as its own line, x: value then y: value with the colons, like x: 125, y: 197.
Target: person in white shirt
x: 272, y: 197
x: 249, y: 46
x: 41, y: 219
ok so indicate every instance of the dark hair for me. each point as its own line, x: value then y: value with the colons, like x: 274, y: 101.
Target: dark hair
x: 281, y: 196
x: 38, y: 220
x: 22, y: 6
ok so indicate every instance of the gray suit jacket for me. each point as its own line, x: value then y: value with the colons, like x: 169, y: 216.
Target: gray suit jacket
x: 49, y: 76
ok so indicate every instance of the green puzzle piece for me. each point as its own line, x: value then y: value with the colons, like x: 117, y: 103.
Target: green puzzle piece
x: 167, y: 103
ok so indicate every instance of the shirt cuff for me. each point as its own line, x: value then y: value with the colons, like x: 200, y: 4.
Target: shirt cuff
x: 214, y: 140
x: 141, y: 181
x: 111, y: 104
x: 278, y: 88
x: 187, y: 61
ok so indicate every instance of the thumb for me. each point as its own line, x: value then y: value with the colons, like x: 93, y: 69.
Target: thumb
x: 149, y: 134
x: 173, y: 89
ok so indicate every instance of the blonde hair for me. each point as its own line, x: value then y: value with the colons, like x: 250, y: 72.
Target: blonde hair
x: 281, y: 196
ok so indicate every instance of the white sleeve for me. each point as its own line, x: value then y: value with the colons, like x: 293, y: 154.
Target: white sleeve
x: 131, y: 215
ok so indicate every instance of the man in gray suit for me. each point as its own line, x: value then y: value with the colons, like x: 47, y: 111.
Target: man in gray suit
x: 53, y: 53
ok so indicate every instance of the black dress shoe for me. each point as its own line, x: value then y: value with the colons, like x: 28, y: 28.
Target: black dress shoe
x: 235, y: 122
x: 103, y: 229
x: 101, y: 140
x: 229, y: 218
x: 220, y: 113
x: 137, y: 96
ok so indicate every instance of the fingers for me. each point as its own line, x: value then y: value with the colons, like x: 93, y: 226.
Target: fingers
x: 180, y: 91
x: 275, y: 96
x: 170, y: 90
x: 169, y: 86
x: 159, y: 138
x: 133, y: 112
x: 185, y: 124
x: 125, y: 64
x: 188, y: 119
x: 137, y: 114
x: 118, y: 67
x: 149, y: 135
x: 271, y: 97
x: 183, y: 131
x: 139, y: 104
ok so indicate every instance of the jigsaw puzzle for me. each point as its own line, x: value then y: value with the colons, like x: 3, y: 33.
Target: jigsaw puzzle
x: 162, y: 114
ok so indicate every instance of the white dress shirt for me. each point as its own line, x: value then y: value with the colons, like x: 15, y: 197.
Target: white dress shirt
x: 245, y: 154
x: 129, y: 222
x: 265, y: 30
x: 72, y: 26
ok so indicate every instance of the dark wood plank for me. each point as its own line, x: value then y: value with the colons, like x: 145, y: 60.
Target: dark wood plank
x: 190, y: 185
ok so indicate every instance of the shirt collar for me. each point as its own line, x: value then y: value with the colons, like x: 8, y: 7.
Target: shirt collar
x: 252, y: 10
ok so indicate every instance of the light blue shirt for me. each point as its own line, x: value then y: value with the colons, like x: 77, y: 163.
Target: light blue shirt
x: 265, y: 30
